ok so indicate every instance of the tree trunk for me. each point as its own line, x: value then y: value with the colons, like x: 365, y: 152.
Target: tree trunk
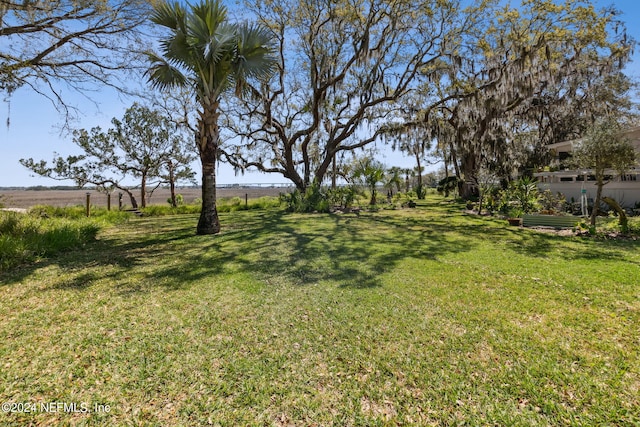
x: 622, y: 216
x: 334, y: 172
x: 466, y: 187
x: 172, y: 186
x: 419, y: 190
x: 143, y: 190
x: 208, y: 144
x: 134, y: 203
x: 596, y: 202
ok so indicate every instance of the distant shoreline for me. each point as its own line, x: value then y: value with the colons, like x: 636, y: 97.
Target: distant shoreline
x: 26, y: 198
x: 90, y: 188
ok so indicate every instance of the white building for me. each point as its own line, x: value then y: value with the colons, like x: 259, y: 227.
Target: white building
x: 624, y: 189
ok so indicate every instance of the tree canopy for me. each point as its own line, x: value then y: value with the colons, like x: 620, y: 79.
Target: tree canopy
x: 525, y: 77
x: 144, y: 146
x: 606, y: 152
x: 50, y: 44
x: 342, y: 69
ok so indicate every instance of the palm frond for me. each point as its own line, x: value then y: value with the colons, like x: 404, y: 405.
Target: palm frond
x: 208, y: 14
x: 214, y: 53
x: 221, y: 45
x: 208, y: 33
x: 255, y: 54
x: 178, y: 50
x: 162, y: 74
x: 168, y: 14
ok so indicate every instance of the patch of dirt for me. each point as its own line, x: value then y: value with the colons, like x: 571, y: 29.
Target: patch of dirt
x: 556, y: 231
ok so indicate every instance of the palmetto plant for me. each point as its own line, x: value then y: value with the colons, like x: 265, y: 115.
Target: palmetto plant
x: 370, y: 172
x: 210, y: 56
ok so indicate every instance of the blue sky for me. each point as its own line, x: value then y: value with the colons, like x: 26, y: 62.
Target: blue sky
x: 34, y: 130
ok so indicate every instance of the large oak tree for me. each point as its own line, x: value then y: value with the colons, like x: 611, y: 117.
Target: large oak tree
x: 343, y: 67
x: 528, y: 78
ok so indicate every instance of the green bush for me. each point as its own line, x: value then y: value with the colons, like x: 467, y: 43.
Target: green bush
x: 634, y: 226
x: 448, y: 185
x: 551, y: 202
x: 179, y: 200
x: 315, y: 199
x: 343, y: 197
x: 521, y: 197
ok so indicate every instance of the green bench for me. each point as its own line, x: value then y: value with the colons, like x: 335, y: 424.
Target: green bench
x: 556, y: 221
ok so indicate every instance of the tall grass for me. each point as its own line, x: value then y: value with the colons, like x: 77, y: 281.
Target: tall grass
x: 47, y: 230
x: 25, y: 238
x: 79, y: 212
x: 223, y: 204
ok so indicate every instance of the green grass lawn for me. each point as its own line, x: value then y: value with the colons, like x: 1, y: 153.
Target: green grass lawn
x: 408, y: 317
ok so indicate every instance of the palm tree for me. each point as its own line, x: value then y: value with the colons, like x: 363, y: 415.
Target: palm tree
x: 371, y: 172
x: 393, y: 179
x: 209, y: 55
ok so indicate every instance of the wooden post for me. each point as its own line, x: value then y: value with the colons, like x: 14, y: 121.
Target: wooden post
x: 88, y: 204
x: 246, y: 200
x: 108, y: 201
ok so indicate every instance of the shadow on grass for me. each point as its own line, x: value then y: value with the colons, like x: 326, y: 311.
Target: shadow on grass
x: 352, y: 251
x: 276, y: 248
x: 272, y: 246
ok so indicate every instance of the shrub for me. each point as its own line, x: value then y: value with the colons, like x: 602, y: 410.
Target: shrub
x: 521, y: 197
x: 448, y: 185
x: 315, y: 199
x: 553, y: 203
x: 179, y: 200
x: 343, y: 197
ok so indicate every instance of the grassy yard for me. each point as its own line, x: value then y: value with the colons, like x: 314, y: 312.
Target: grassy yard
x: 408, y: 317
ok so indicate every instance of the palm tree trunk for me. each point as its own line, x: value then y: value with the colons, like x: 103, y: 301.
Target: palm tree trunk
x: 208, y: 222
